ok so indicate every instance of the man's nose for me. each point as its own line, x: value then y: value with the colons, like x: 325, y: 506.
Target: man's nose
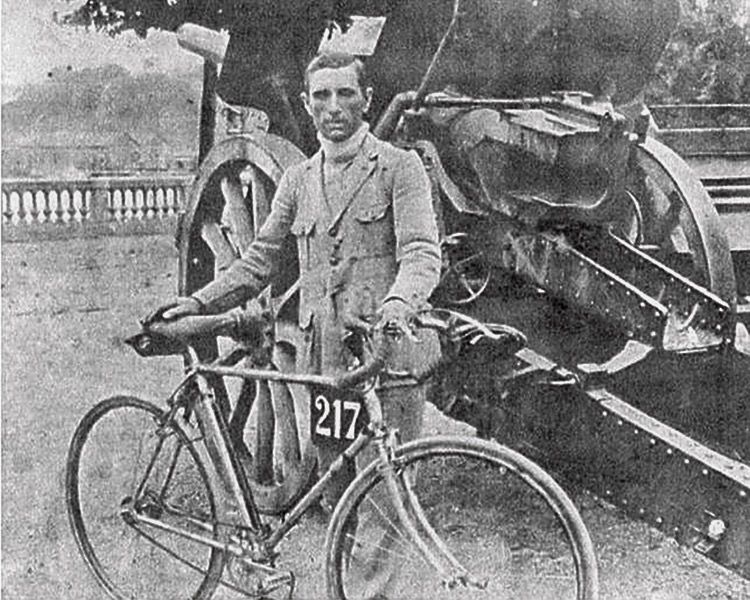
x: 334, y: 104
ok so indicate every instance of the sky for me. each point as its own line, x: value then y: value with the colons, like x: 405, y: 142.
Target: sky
x: 33, y: 45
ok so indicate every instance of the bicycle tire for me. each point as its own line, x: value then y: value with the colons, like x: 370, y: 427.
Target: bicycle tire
x: 94, y: 462
x: 450, y: 487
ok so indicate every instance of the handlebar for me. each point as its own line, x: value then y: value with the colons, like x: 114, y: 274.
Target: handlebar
x: 453, y: 326
x: 173, y: 337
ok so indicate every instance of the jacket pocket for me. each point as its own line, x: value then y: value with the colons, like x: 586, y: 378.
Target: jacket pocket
x: 302, y: 229
x: 374, y: 230
x: 372, y: 212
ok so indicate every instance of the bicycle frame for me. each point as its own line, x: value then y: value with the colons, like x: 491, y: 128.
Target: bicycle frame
x: 253, y: 541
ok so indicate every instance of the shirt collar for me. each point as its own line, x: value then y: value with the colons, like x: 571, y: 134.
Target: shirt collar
x: 345, y: 150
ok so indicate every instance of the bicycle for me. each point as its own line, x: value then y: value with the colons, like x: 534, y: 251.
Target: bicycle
x: 432, y: 518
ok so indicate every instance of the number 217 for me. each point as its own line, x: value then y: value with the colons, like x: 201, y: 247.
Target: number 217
x: 339, y: 407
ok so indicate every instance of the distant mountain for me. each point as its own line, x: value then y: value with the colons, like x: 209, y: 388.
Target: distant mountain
x: 101, y: 107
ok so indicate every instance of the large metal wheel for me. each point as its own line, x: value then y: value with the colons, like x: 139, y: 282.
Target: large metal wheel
x: 674, y: 219
x: 228, y: 203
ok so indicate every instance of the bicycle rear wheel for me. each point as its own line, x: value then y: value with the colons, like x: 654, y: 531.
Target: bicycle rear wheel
x: 119, y: 447
x: 510, y: 528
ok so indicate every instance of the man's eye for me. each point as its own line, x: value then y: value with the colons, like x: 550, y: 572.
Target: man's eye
x: 320, y: 95
x: 347, y: 93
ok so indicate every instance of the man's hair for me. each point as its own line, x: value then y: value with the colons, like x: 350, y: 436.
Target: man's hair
x: 336, y: 60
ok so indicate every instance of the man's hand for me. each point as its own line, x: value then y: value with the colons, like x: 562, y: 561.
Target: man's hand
x: 397, y: 315
x: 182, y: 307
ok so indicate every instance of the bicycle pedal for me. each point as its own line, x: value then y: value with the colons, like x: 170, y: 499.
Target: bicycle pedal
x: 259, y: 580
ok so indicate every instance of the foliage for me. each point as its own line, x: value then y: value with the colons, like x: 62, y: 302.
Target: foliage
x: 708, y: 56
x: 706, y: 60
x: 116, y: 16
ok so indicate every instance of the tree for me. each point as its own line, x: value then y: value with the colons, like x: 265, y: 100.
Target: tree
x: 116, y: 16
x: 708, y: 56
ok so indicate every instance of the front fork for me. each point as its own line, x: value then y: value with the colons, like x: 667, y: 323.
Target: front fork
x: 411, y: 516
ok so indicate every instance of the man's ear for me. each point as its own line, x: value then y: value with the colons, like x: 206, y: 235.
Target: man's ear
x: 368, y: 98
x: 306, y: 103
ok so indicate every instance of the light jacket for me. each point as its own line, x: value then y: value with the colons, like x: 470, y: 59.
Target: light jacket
x: 377, y: 240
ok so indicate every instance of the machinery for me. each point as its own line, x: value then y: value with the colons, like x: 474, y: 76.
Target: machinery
x: 623, y: 257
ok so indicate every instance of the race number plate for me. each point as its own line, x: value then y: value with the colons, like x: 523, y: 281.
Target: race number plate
x: 336, y: 416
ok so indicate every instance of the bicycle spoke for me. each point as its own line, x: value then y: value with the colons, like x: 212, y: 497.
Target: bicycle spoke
x: 392, y: 526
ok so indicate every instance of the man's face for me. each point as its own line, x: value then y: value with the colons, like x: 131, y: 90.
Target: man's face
x: 336, y: 103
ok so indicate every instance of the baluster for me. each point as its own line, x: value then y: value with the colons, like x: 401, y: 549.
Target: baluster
x: 138, y: 202
x: 7, y: 211
x: 50, y: 216
x: 129, y: 205
x: 149, y: 193
x: 40, y: 200
x: 62, y: 201
x: 76, y: 205
x: 179, y: 197
x: 16, y: 203
x: 170, y: 201
x: 118, y: 205
x: 27, y: 205
x: 35, y: 207
x: 159, y: 200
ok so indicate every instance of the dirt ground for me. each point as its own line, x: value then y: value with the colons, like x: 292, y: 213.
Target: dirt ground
x: 66, y: 307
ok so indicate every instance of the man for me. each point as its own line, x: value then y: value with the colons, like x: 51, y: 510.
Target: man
x: 367, y: 242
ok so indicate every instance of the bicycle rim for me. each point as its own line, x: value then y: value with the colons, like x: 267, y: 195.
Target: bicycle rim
x: 507, y: 530
x: 108, y: 461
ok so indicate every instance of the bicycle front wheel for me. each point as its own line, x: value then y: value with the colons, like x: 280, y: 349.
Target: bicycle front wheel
x: 490, y: 524
x: 124, y: 460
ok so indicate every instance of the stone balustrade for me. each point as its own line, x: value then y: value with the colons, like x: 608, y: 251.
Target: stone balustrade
x: 60, y: 208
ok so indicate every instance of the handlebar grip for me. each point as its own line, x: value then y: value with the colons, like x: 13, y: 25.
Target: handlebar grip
x: 191, y: 327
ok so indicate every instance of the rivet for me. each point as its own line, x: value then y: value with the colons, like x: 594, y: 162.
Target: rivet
x: 676, y: 529
x: 659, y: 520
x: 624, y: 501
x: 604, y: 413
x: 635, y: 432
x: 641, y: 511
x: 643, y: 305
x: 652, y: 334
x: 743, y: 494
x: 705, y: 471
x: 619, y: 422
x: 652, y: 442
x: 608, y: 492
x: 686, y: 461
x: 669, y: 451
x: 195, y: 261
